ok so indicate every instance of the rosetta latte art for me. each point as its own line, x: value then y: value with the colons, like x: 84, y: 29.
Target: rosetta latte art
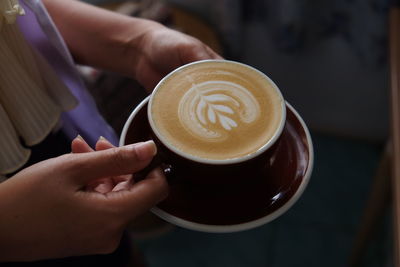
x: 212, y: 109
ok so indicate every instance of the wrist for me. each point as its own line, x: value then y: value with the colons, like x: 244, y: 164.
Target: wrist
x: 98, y: 37
x: 136, y: 44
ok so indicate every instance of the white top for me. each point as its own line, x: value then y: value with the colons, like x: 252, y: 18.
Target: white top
x: 30, y: 93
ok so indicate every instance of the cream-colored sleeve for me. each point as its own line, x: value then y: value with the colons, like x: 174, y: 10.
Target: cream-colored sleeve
x: 32, y: 97
x: 12, y: 154
x: 30, y: 109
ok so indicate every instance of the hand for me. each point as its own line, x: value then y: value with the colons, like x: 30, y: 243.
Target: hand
x: 103, y: 185
x: 163, y: 50
x: 52, y: 210
x: 140, y: 48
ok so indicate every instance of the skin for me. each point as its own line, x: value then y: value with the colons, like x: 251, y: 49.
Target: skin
x: 139, y: 48
x: 79, y: 203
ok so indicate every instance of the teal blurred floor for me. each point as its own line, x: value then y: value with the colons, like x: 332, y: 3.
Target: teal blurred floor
x: 317, y: 231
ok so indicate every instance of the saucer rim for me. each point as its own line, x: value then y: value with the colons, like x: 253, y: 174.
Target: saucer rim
x: 211, y: 228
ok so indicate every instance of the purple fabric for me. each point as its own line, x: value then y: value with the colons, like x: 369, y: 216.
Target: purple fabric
x: 40, y: 32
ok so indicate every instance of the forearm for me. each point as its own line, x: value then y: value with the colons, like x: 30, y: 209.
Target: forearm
x: 98, y: 37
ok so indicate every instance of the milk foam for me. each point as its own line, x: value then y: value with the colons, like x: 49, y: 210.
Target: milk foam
x: 211, y: 109
x: 216, y: 110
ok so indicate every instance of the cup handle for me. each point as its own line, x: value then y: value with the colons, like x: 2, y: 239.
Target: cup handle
x: 156, y: 162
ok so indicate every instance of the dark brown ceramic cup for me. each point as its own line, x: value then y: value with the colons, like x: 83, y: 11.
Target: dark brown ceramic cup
x: 216, y: 116
x: 249, y: 197
x: 221, y: 192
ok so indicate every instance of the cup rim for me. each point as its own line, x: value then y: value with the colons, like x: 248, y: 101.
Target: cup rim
x: 240, y: 226
x: 236, y: 160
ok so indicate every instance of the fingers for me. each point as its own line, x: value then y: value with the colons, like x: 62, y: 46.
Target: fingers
x: 202, y: 52
x: 115, y: 183
x: 195, y: 51
x: 127, y: 199
x: 212, y: 54
x: 148, y: 75
x: 103, y: 144
x: 102, y: 186
x: 111, y: 162
x: 79, y: 145
x: 143, y: 195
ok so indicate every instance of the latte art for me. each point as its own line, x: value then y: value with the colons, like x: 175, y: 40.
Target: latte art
x: 211, y: 109
x: 216, y: 110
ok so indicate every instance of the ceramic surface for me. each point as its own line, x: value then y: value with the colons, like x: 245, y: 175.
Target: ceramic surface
x: 245, y: 199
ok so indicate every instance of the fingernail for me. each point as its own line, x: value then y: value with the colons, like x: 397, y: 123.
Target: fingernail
x: 102, y: 138
x: 79, y: 137
x: 145, y: 150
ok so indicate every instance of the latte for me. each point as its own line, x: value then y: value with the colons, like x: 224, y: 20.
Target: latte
x: 216, y: 110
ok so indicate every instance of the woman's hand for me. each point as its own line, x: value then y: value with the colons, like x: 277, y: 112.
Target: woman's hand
x: 140, y: 48
x: 78, y: 203
x: 162, y: 51
x: 103, y: 185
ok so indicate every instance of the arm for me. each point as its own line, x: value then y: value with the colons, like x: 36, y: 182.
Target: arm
x: 140, y: 48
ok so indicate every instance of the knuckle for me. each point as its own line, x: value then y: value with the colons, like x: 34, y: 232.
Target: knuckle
x: 69, y: 163
x: 189, y: 45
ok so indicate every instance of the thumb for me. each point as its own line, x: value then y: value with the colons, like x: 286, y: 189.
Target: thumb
x: 112, y: 162
x: 142, y: 196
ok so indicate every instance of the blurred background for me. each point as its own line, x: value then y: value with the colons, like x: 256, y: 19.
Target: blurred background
x: 330, y: 60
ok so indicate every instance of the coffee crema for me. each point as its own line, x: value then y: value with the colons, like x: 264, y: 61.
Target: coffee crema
x: 216, y: 110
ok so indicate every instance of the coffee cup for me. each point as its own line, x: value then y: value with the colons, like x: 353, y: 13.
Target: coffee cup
x: 216, y: 116
x: 227, y: 189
